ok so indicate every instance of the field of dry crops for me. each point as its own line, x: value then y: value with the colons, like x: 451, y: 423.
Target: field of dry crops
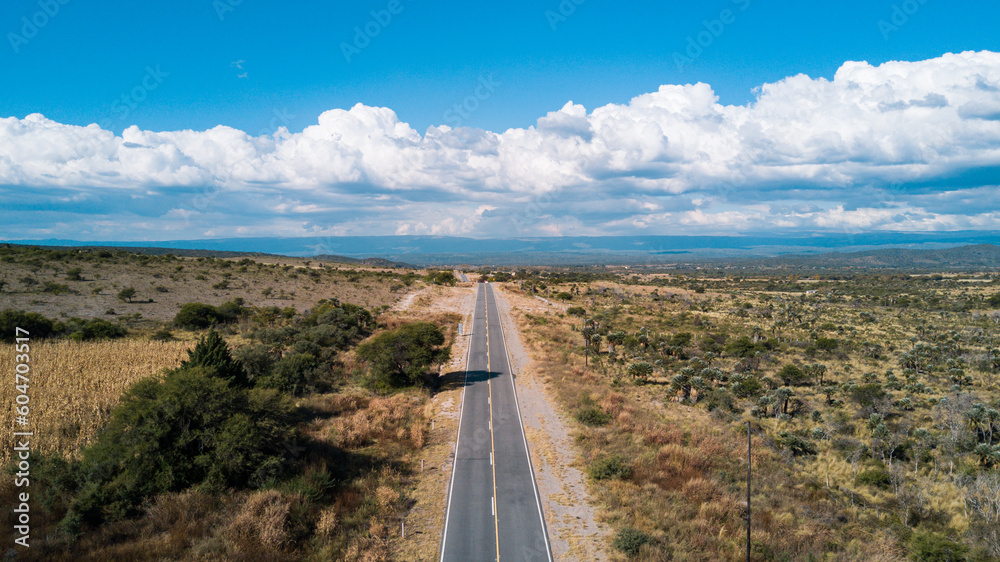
x: 75, y: 385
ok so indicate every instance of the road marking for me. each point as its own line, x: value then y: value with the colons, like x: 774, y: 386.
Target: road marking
x: 538, y: 500
x: 461, y: 411
x: 489, y: 384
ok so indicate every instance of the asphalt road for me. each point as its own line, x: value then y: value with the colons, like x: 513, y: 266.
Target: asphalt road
x: 494, y: 511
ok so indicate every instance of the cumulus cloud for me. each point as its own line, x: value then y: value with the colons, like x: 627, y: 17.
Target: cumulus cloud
x: 902, y: 145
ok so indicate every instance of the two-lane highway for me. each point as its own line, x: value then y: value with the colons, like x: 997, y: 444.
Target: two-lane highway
x: 494, y: 511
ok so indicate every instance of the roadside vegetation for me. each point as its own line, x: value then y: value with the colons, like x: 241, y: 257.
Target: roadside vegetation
x: 225, y: 429
x: 872, y: 401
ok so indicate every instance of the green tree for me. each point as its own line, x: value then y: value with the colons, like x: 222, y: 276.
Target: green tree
x: 401, y: 356
x: 126, y: 294
x: 640, y: 370
x: 167, y: 435
x: 211, y: 351
x: 36, y: 325
x: 196, y: 316
x: 792, y: 375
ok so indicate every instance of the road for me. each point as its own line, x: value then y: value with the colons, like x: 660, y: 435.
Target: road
x: 462, y: 277
x: 494, y: 511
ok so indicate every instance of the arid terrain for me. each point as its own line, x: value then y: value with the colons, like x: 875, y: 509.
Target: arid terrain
x: 871, y: 399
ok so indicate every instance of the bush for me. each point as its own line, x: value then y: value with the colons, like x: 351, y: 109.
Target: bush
x: 795, y: 444
x: 400, y: 357
x: 162, y: 334
x: 211, y: 351
x: 874, y: 477
x: 576, y: 311
x: 197, y: 316
x: 191, y: 428
x: 564, y: 296
x: 926, y: 546
x: 610, y: 467
x: 294, y: 373
x: 593, y: 416
x: 95, y: 329
x: 630, y: 540
x: 792, y: 375
x: 36, y: 325
x: 826, y: 344
x: 442, y: 278
x: 187, y: 429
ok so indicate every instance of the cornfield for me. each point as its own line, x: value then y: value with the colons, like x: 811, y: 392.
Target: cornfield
x: 75, y: 385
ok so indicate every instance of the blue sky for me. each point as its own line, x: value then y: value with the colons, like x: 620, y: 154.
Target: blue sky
x: 264, y: 67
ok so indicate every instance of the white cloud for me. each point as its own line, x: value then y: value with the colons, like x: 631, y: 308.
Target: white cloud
x: 670, y: 160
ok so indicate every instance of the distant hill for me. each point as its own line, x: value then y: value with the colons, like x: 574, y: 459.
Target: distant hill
x: 195, y: 253
x: 971, y: 257
x: 444, y: 251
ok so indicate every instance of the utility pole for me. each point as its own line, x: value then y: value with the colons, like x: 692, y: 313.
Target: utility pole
x: 748, y: 491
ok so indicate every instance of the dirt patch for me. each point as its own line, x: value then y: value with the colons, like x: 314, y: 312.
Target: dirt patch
x: 572, y: 523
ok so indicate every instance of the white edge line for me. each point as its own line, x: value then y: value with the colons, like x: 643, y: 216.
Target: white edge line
x: 520, y: 423
x: 461, y: 411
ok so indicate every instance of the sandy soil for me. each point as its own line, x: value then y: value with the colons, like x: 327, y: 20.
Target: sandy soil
x: 572, y: 523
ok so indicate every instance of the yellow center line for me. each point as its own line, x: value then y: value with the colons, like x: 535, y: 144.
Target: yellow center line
x: 493, y: 456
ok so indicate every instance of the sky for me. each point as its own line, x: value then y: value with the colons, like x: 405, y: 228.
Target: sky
x: 226, y: 118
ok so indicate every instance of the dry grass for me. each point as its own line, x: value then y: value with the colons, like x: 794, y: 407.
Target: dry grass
x: 75, y: 385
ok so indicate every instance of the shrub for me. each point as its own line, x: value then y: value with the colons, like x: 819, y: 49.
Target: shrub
x: 607, y: 468
x: 792, y: 375
x: 196, y: 316
x: 795, y: 444
x: 294, y: 373
x: 826, y: 344
x: 162, y: 334
x: 564, y: 296
x: 56, y: 288
x: 442, y: 278
x: 874, y: 477
x: 37, y: 325
x: 576, y: 311
x: 400, y: 357
x: 187, y: 429
x: 926, y: 545
x: 95, y: 329
x: 630, y: 540
x: 593, y: 416
x: 211, y: 351
x: 126, y: 294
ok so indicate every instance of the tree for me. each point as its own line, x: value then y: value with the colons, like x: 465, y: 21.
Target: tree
x: 615, y: 338
x: 401, y: 356
x: 196, y: 316
x: 187, y: 429
x: 792, y: 375
x: 36, y: 325
x: 640, y: 370
x: 126, y: 294
x: 211, y: 351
